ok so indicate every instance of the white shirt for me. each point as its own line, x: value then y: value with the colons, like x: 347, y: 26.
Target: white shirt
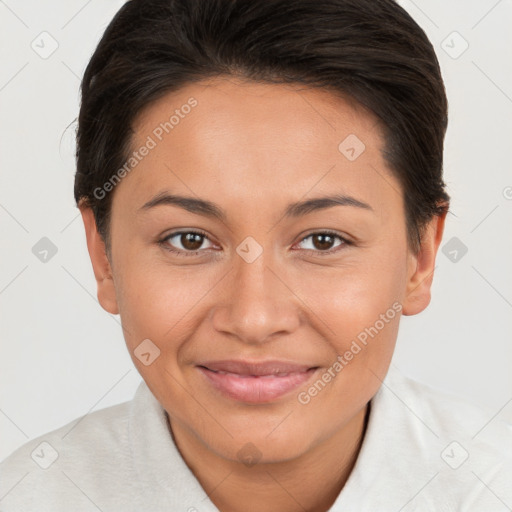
x: 423, y: 451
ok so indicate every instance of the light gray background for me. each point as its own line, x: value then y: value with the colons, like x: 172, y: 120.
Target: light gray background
x: 63, y: 356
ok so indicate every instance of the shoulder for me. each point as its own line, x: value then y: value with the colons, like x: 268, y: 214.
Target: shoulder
x: 471, y: 466
x: 122, y: 458
x: 426, y: 449
x: 56, y: 469
x: 446, y: 415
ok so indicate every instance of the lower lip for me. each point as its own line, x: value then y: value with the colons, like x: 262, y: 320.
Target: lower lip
x: 256, y: 389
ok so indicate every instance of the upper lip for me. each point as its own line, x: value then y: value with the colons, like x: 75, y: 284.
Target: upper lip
x: 261, y: 368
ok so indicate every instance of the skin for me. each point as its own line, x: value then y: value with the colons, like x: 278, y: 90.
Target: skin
x: 253, y: 149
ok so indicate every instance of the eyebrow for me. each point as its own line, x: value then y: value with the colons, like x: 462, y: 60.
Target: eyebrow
x: 209, y: 209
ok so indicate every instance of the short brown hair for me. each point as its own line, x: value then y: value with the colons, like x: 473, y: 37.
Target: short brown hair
x: 371, y: 50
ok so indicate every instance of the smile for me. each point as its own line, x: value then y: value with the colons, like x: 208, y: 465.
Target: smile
x: 255, y: 382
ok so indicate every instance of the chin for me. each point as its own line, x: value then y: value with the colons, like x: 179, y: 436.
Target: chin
x: 262, y: 448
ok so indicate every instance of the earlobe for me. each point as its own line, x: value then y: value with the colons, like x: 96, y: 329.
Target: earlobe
x: 100, y: 263
x: 421, y: 267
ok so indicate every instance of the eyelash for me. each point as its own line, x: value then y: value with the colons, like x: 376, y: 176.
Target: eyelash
x: 164, y: 242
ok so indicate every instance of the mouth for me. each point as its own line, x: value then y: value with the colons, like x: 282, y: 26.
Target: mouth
x: 256, y: 382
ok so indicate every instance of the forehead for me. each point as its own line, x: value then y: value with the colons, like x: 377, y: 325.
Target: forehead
x: 251, y: 113
x: 235, y: 138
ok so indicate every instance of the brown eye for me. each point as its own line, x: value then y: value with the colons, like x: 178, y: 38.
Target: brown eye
x: 191, y: 241
x: 323, y: 242
x: 185, y: 242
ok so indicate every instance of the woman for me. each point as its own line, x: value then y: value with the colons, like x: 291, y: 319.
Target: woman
x: 262, y: 194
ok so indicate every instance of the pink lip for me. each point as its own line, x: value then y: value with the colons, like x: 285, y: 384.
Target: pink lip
x: 256, y: 382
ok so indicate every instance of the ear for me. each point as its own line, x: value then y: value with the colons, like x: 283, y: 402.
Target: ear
x: 421, y: 267
x: 100, y: 262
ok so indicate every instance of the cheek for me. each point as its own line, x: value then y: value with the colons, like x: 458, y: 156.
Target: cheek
x: 358, y: 301
x: 156, y: 301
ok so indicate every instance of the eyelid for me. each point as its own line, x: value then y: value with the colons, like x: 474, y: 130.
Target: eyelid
x: 164, y: 242
x: 345, y: 241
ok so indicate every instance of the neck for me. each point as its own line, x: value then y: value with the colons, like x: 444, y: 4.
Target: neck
x: 309, y: 482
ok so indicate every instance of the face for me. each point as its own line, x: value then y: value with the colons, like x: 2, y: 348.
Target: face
x: 260, y: 245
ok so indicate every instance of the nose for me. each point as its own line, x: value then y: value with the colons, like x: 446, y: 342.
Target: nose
x: 257, y: 303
